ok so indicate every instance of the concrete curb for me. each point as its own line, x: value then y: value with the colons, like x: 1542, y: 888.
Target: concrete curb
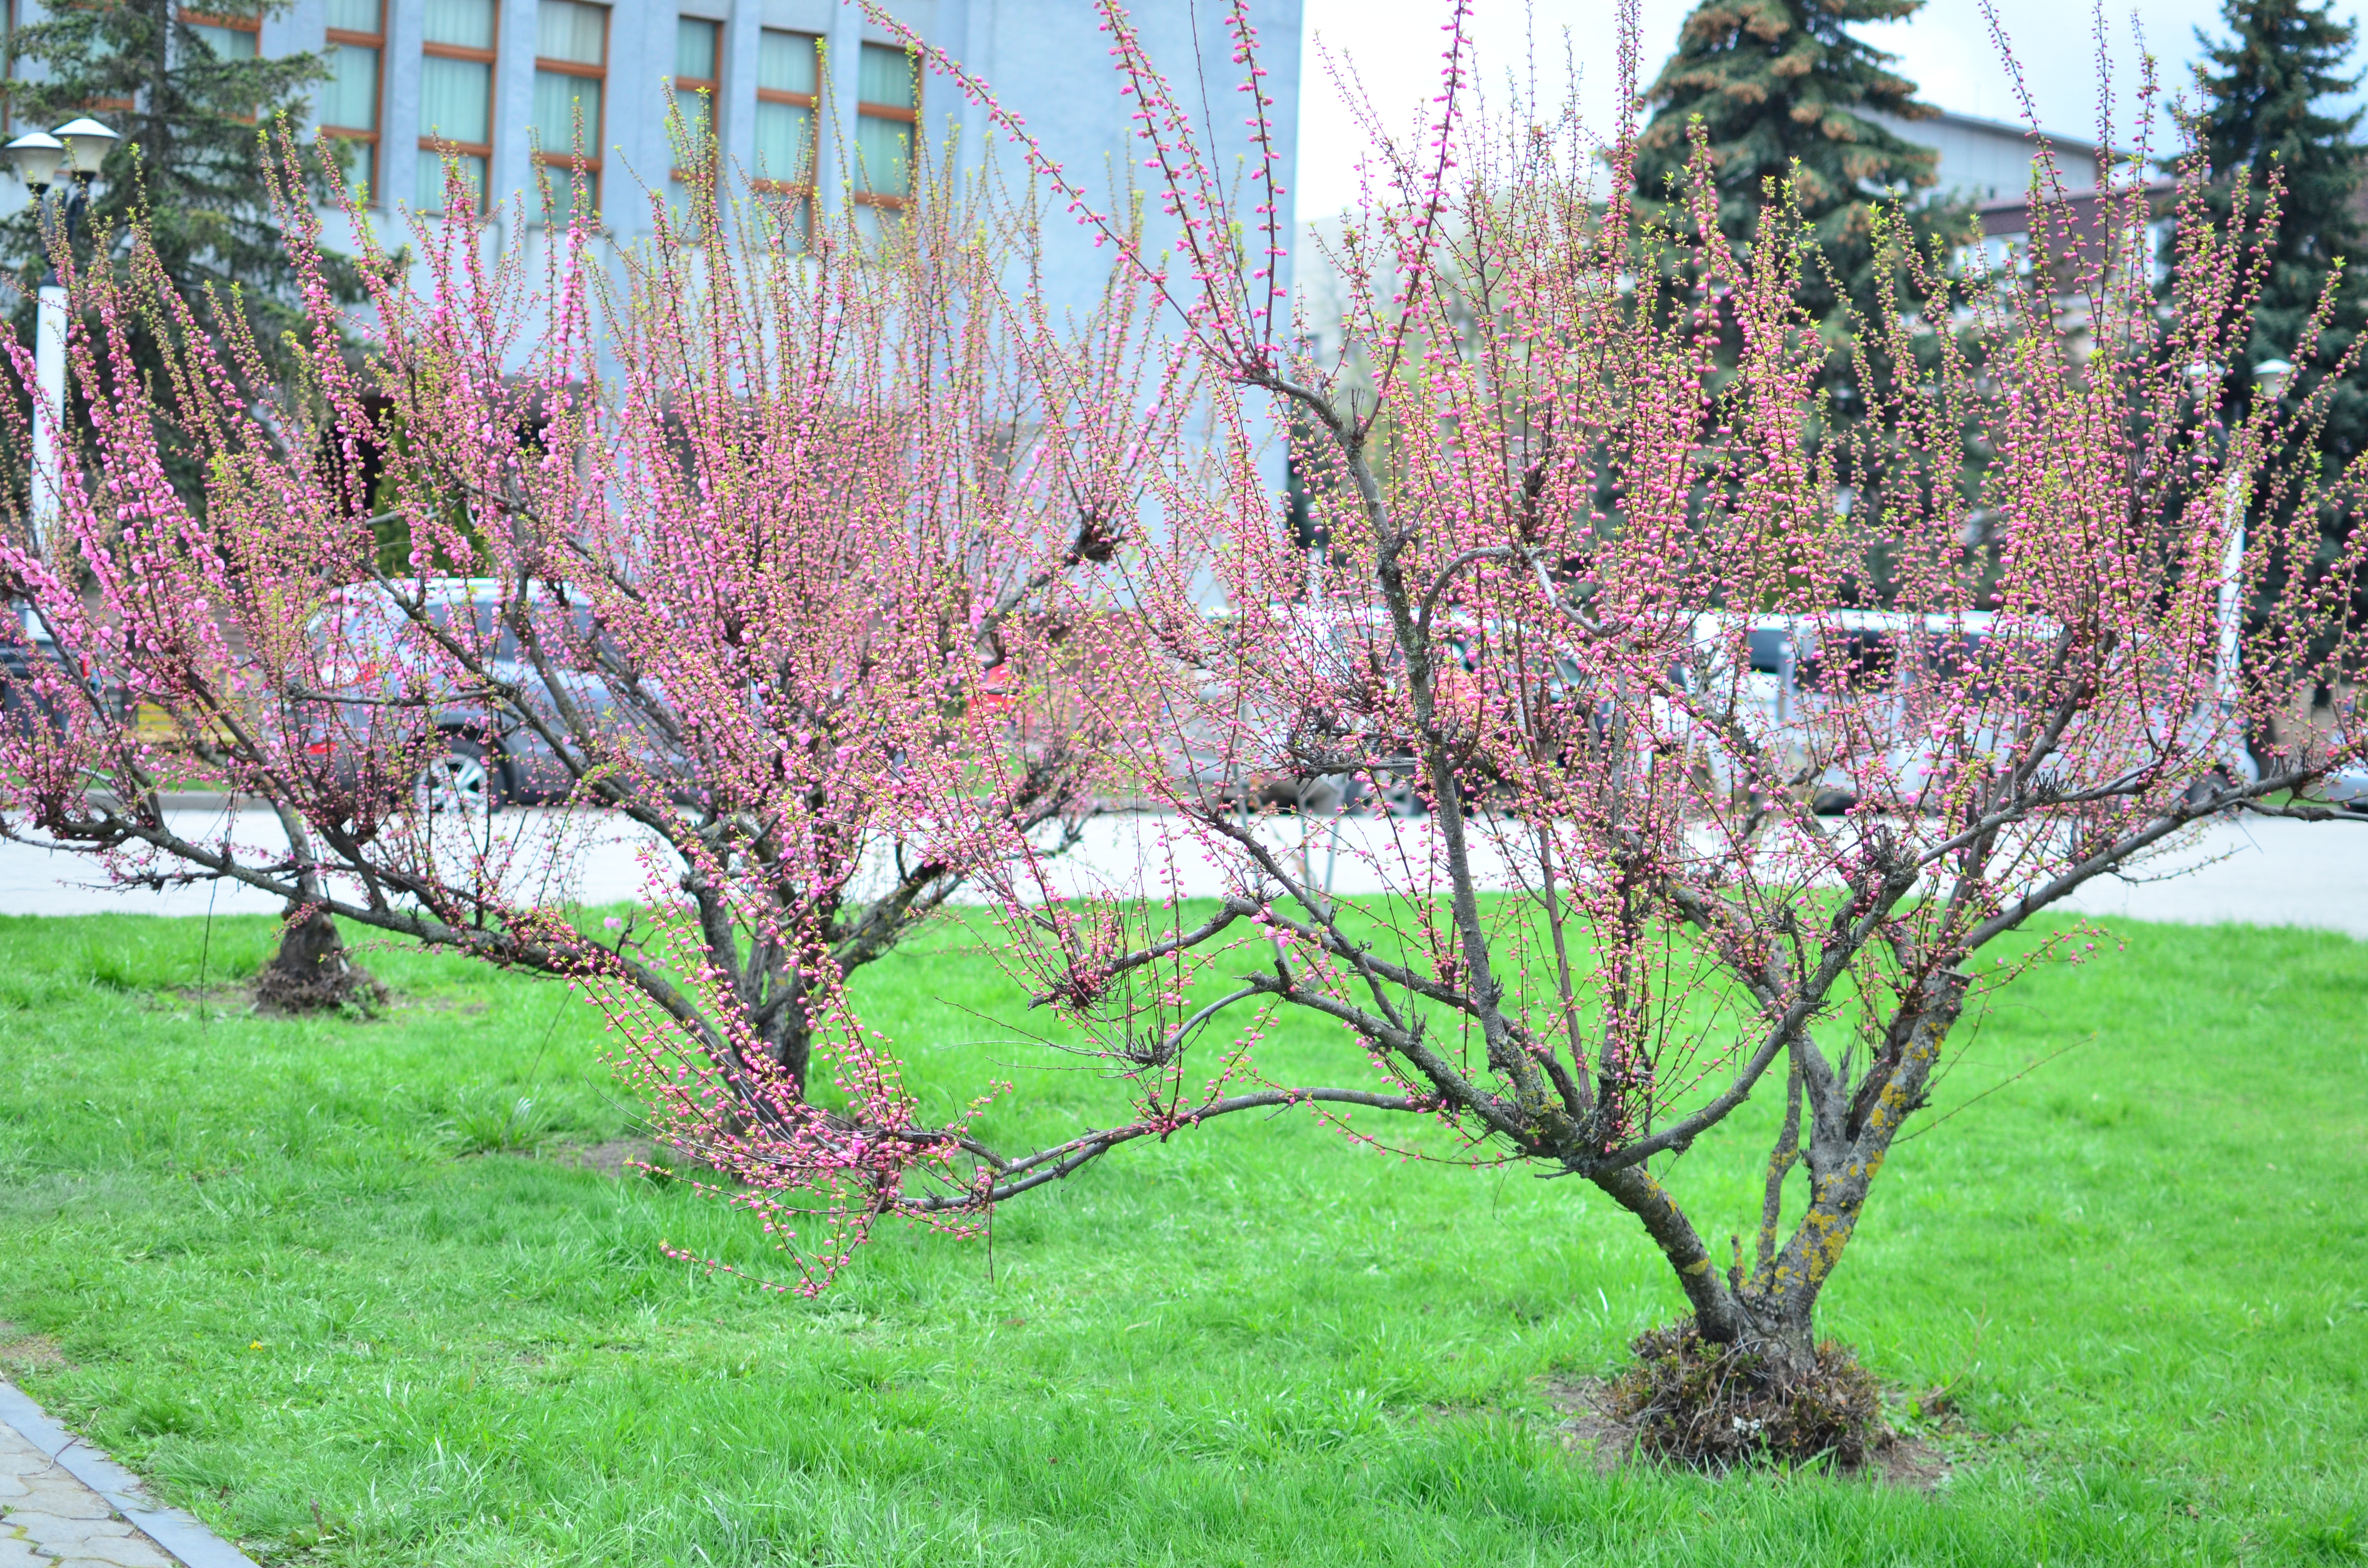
x: 179, y: 1534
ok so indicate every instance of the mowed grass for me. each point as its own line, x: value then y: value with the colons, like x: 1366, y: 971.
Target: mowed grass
x: 338, y: 1290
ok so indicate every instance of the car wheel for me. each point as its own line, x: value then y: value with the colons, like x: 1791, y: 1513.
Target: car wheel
x: 460, y: 782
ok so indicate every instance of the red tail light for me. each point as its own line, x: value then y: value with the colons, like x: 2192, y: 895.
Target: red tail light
x: 998, y: 690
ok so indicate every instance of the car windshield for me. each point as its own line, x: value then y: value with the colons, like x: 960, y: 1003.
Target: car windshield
x: 1855, y: 660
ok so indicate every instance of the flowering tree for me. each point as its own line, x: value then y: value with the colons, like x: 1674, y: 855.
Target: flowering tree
x: 739, y: 552
x: 1602, y: 607
x: 1588, y: 599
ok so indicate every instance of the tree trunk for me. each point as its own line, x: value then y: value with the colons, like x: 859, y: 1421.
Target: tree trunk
x: 791, y: 1044
x: 1783, y: 1334
x: 1743, y: 1378
x: 312, y: 968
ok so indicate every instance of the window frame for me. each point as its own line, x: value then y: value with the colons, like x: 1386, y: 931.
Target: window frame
x: 811, y: 102
x: 797, y: 195
x: 370, y: 139
x: 251, y: 26
x: 711, y: 87
x: 908, y: 117
x: 489, y: 57
x: 189, y: 15
x: 587, y: 163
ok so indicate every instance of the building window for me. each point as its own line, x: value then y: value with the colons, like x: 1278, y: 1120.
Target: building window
x: 698, y: 84
x: 886, y: 110
x: 456, y: 99
x: 230, y: 37
x: 571, y: 59
x: 698, y: 78
x: 789, y: 91
x: 349, y: 97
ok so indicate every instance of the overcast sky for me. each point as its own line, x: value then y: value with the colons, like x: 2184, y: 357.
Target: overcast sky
x: 1946, y: 49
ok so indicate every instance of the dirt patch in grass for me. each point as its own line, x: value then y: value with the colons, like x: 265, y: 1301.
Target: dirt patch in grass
x: 20, y: 1352
x: 611, y: 1156
x: 1591, y: 1424
x: 1587, y: 1424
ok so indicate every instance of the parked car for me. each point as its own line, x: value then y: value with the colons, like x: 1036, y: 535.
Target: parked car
x: 1905, y: 663
x: 23, y: 704
x: 377, y: 669
x: 1892, y: 672
x: 2347, y: 787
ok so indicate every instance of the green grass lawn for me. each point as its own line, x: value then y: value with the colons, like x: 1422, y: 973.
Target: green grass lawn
x: 287, y: 1269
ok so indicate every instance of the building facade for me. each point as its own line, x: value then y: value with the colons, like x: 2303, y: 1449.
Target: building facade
x: 1988, y: 160
x: 807, y: 101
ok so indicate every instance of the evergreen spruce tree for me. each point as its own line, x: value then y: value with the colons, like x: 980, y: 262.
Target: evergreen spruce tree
x: 2269, y: 99
x: 190, y: 167
x: 190, y: 170
x: 1779, y: 84
x: 1784, y: 94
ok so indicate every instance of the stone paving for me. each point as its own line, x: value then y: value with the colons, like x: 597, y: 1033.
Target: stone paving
x: 48, y: 1516
x: 66, y: 1504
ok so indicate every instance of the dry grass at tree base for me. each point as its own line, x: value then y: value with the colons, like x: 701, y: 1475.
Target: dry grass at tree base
x: 1718, y: 1406
x: 401, y: 1270
x: 1917, y: 1444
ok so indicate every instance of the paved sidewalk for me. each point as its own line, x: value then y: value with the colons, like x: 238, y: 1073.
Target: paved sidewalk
x: 2255, y: 871
x: 66, y: 1504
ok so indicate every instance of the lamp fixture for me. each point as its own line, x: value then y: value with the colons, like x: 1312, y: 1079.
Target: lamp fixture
x: 87, y: 143
x: 36, y: 156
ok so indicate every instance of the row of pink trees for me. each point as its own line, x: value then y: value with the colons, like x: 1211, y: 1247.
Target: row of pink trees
x: 744, y: 585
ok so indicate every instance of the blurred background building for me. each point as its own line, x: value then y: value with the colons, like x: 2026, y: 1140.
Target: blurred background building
x: 812, y: 107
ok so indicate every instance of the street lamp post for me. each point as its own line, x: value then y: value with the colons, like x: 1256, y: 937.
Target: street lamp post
x: 78, y: 149
x: 2269, y: 379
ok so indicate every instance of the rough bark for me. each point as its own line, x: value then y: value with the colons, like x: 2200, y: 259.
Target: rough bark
x: 1717, y: 1311
x: 1850, y: 1136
